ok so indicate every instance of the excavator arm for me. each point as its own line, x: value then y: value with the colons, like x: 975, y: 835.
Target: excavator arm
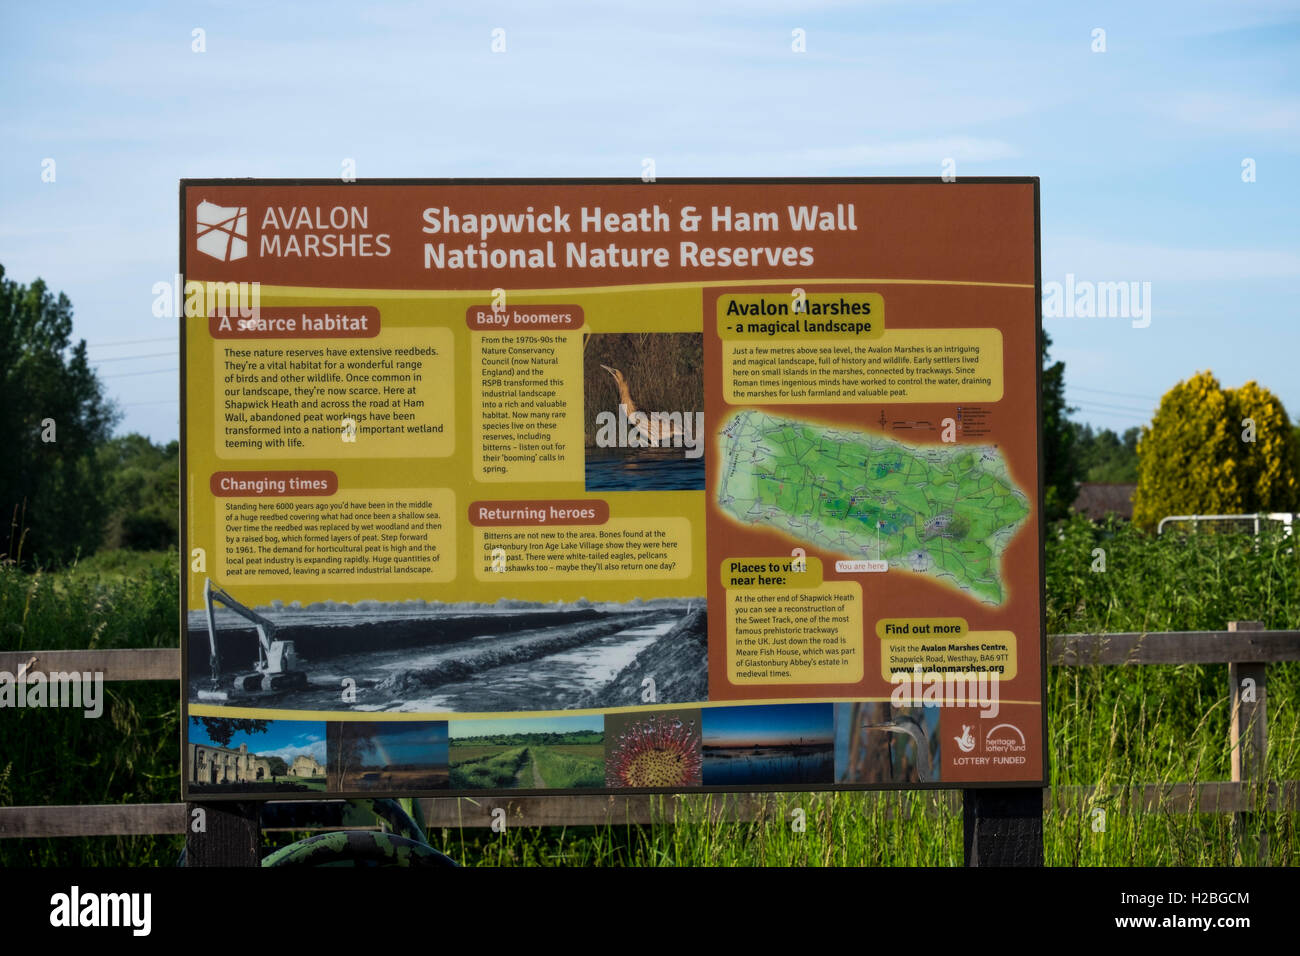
x: 276, y: 659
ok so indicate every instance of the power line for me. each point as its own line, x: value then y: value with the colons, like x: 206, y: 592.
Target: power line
x: 1104, y: 391
x: 1118, y: 427
x: 103, y: 345
x: 1117, y: 415
x: 1115, y: 408
x: 1091, y: 413
x: 1118, y: 408
x: 157, y: 371
x: 128, y: 358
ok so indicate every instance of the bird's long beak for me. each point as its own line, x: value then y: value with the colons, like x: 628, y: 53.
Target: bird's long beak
x: 611, y: 371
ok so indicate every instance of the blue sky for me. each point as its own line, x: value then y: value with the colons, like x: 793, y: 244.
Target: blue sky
x: 283, y: 738
x: 767, y: 724
x: 406, y: 742
x: 1139, y: 148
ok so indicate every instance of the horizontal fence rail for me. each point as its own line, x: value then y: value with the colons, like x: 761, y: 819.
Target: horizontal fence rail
x: 639, y: 810
x: 1172, y: 647
x: 118, y: 664
x: 1245, y: 646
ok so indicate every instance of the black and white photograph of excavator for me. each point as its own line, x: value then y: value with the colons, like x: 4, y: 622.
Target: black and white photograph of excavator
x: 430, y: 657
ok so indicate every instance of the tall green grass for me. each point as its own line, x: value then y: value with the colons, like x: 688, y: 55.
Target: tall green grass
x: 839, y: 830
x: 1114, y: 726
x: 131, y: 754
x: 1175, y: 582
x: 1127, y: 726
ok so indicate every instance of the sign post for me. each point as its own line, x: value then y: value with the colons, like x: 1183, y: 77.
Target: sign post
x: 559, y: 487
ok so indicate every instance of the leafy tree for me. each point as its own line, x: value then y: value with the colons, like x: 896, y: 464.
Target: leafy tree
x: 1295, y: 434
x: 53, y: 415
x: 1211, y: 450
x: 1268, y: 477
x: 1105, y: 456
x: 354, y: 741
x: 144, y: 491
x: 221, y: 730
x: 1060, y: 464
x: 279, y: 766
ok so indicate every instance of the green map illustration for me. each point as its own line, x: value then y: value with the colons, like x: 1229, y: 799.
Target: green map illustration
x: 948, y: 511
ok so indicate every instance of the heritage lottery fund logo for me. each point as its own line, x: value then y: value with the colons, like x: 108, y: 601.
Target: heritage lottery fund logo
x: 1002, y: 744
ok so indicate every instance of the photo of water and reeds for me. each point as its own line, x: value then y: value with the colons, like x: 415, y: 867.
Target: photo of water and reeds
x: 768, y: 744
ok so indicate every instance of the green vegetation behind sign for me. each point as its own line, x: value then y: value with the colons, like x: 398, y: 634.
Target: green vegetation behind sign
x: 1211, y: 450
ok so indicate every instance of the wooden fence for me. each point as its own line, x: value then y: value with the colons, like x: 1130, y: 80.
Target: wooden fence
x: 1245, y: 647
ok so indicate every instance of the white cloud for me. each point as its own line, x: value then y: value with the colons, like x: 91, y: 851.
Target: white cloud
x: 315, y: 748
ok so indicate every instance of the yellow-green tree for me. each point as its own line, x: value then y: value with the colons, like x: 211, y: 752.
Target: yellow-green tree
x: 1211, y: 450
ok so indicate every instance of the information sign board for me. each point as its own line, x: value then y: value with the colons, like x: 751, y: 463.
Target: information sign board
x: 584, y: 486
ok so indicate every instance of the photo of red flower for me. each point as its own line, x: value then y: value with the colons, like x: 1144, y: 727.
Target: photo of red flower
x: 653, y: 750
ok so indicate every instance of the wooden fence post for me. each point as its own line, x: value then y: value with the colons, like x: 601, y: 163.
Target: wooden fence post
x: 1248, y: 739
x: 231, y: 834
x: 1003, y: 827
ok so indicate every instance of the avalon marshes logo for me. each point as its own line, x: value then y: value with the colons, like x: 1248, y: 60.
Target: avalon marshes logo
x: 222, y: 231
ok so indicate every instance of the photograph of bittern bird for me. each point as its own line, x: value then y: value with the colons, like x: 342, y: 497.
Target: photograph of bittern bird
x: 657, y: 429
x: 643, y: 411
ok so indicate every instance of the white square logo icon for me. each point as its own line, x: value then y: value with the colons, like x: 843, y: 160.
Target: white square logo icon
x: 223, y: 231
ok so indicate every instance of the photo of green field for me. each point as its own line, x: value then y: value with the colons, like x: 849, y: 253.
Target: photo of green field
x: 561, y: 753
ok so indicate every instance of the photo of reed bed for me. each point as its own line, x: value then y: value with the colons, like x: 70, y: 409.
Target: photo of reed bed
x: 663, y: 370
x: 1109, y: 726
